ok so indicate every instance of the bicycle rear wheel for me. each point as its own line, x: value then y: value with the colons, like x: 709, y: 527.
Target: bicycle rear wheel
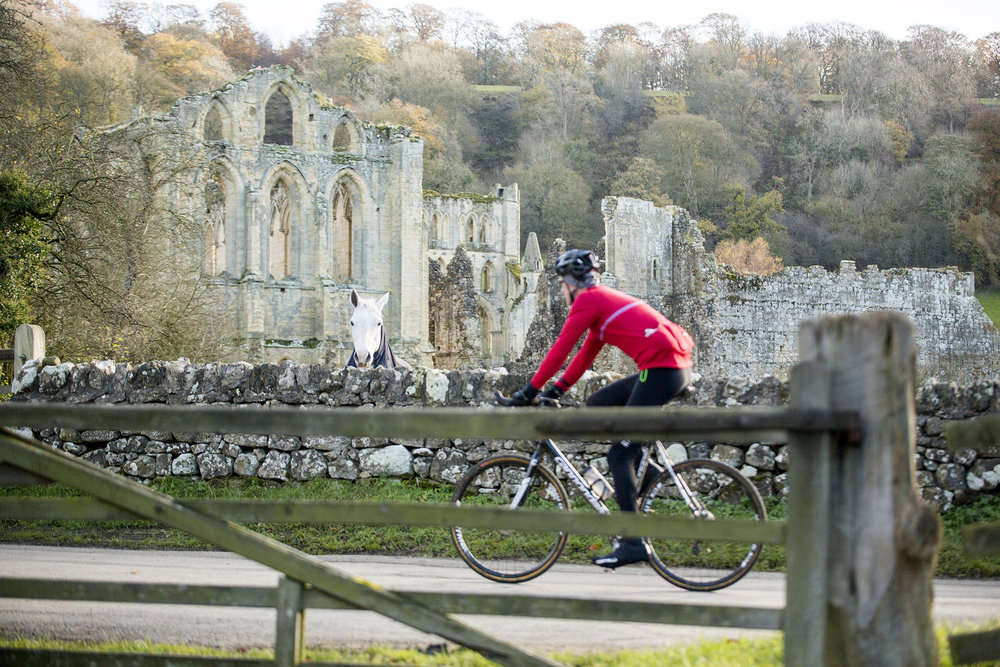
x: 509, y: 556
x: 708, y: 565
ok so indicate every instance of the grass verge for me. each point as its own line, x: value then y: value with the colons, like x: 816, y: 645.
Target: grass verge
x: 735, y: 652
x: 395, y: 540
x: 990, y: 298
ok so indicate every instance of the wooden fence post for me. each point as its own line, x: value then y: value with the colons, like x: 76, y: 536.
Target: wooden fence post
x: 29, y: 343
x: 290, y: 630
x: 883, y: 539
x: 809, y: 513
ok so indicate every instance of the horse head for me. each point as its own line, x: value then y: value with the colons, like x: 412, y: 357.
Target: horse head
x: 367, y: 328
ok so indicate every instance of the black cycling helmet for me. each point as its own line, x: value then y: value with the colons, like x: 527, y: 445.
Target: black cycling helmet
x: 577, y: 264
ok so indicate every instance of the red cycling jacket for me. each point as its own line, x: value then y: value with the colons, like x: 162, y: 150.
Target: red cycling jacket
x: 624, y: 321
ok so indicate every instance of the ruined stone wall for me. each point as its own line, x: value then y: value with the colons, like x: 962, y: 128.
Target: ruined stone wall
x: 747, y: 325
x: 489, y: 299
x: 944, y: 478
x: 291, y: 224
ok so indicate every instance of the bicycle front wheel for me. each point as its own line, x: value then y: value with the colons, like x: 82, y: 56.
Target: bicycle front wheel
x: 722, y: 492
x: 509, y: 556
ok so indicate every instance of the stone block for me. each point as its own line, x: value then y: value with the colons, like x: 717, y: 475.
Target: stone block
x: 212, y: 465
x: 142, y: 466
x: 307, y: 464
x: 390, y: 461
x: 246, y: 465
x: 275, y: 466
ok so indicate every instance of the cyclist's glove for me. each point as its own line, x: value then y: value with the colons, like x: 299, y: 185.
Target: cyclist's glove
x: 551, y: 396
x: 521, y: 397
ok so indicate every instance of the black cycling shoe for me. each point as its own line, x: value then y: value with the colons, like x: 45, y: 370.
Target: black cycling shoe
x: 626, y: 552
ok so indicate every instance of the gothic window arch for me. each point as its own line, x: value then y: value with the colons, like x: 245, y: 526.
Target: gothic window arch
x: 215, y: 226
x: 280, y: 230
x: 343, y: 232
x: 656, y: 270
x: 486, y: 334
x: 213, y: 130
x: 487, y: 278
x: 470, y: 229
x: 436, y: 226
x: 278, y: 117
x: 346, y: 138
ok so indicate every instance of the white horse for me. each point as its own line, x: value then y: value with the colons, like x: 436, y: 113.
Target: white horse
x: 371, y: 348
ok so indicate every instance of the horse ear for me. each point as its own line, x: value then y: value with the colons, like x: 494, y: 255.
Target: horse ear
x: 354, y: 297
x: 382, y: 301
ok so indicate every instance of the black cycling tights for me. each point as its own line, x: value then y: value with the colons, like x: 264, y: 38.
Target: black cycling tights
x: 654, y: 386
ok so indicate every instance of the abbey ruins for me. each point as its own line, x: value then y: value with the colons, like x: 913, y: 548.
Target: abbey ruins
x: 299, y: 202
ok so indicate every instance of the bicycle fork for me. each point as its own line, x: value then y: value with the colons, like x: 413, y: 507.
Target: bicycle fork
x: 527, y: 481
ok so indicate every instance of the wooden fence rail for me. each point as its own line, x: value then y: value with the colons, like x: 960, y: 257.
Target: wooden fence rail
x: 860, y: 546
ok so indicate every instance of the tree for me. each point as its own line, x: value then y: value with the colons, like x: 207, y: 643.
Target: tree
x: 945, y: 62
x: 727, y: 41
x: 988, y: 52
x: 497, y: 121
x: 23, y: 246
x: 554, y: 202
x: 347, y: 19
x: 20, y: 52
x: 124, y: 276
x: 349, y: 66
x: 175, y: 67
x: 552, y: 65
x: 422, y: 21
x: 985, y: 127
x: 244, y: 47
x: 748, y: 256
x: 749, y: 218
x: 86, y: 72
x: 642, y: 180
x: 698, y: 159
x: 488, y: 46
x: 125, y: 18
x: 977, y: 241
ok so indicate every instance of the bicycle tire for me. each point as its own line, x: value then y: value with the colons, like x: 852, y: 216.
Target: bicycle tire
x: 503, y: 555
x: 698, y: 565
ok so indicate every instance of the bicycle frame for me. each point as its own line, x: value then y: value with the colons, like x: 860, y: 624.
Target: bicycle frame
x: 562, y: 462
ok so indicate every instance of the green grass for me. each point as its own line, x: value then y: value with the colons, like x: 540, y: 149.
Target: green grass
x: 716, y: 653
x: 725, y: 653
x: 396, y: 540
x: 990, y: 298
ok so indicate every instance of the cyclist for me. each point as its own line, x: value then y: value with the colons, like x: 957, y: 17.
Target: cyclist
x: 660, y: 348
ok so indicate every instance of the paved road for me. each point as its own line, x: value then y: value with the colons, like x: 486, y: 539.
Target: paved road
x: 955, y: 601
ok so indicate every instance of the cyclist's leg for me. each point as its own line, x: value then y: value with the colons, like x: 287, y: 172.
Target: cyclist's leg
x: 616, y: 393
x: 654, y: 386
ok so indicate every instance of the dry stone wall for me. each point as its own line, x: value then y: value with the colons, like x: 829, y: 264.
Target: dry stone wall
x: 944, y: 477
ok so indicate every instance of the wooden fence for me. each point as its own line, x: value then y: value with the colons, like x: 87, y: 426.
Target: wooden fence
x: 860, y: 545
x: 29, y: 343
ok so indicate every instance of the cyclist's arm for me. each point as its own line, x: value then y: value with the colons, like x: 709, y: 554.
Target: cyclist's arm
x: 580, y: 319
x: 581, y: 362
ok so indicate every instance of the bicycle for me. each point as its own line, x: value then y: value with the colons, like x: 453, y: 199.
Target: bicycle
x: 700, y: 488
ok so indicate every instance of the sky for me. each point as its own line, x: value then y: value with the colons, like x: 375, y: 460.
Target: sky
x: 284, y: 21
